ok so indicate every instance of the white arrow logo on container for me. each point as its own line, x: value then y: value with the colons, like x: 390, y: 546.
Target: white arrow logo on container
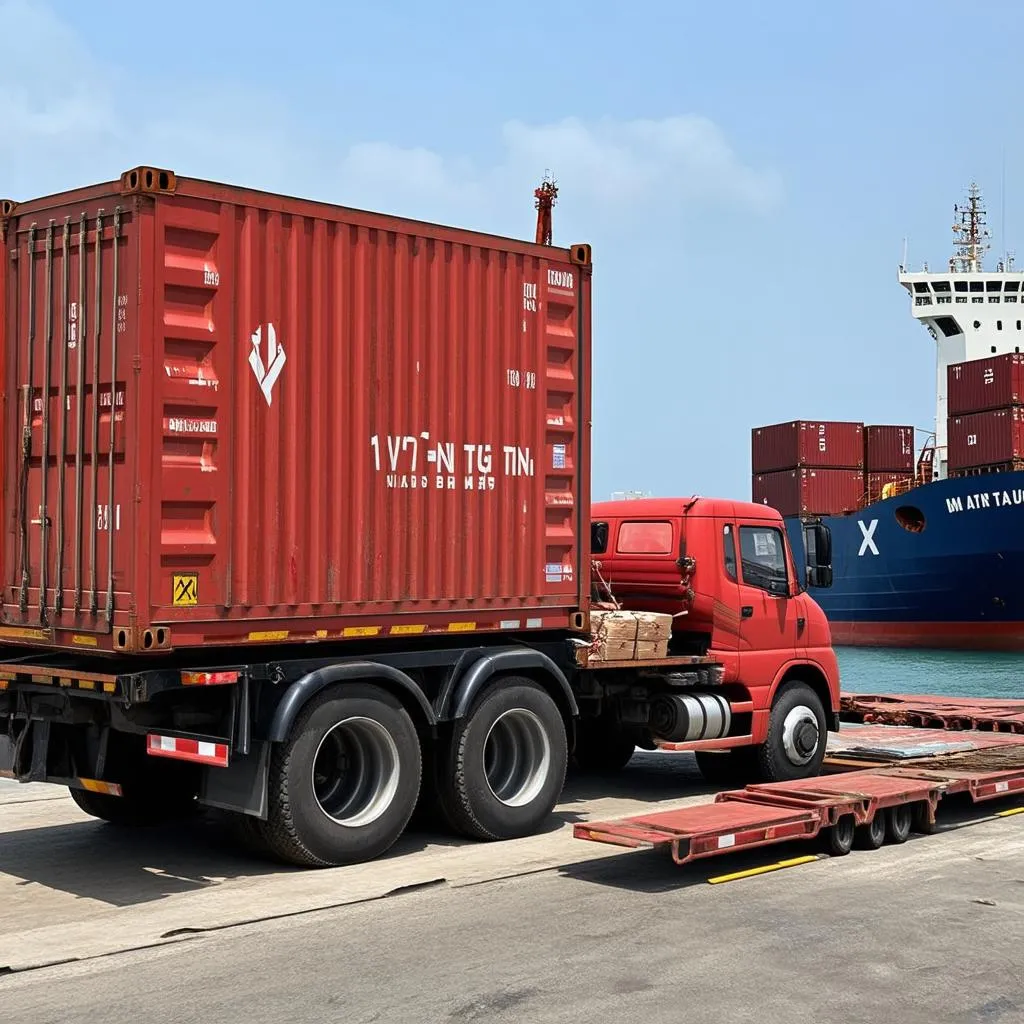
x: 267, y: 374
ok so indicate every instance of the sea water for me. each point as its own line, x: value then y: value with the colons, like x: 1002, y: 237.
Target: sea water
x: 947, y: 673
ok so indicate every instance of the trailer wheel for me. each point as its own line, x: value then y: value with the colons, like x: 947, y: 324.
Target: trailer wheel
x: 797, y: 736
x: 838, y: 840
x: 872, y: 835
x: 505, y: 768
x: 898, y: 823
x: 601, y: 747
x: 344, y: 784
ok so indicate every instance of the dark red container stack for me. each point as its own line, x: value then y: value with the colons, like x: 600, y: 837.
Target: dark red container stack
x: 889, y: 449
x: 888, y: 459
x: 808, y: 467
x: 995, y: 382
x: 810, y: 491
x: 985, y: 406
x: 991, y: 438
x: 822, y: 444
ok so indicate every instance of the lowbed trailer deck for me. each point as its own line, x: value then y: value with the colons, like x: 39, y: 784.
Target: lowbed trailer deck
x: 880, y: 784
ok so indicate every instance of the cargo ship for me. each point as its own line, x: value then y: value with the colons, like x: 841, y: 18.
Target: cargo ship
x: 928, y: 541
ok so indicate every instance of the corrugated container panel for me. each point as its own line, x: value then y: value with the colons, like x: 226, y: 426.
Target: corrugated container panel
x: 994, y: 382
x: 887, y: 485
x: 295, y: 421
x: 888, y: 449
x: 985, y: 438
x: 822, y: 492
x: 828, y: 444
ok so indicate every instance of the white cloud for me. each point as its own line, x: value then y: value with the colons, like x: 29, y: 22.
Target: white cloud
x: 82, y: 120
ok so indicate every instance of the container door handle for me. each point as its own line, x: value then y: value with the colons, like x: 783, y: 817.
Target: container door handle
x: 747, y: 611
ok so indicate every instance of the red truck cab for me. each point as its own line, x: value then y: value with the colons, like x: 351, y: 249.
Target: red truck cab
x: 726, y: 571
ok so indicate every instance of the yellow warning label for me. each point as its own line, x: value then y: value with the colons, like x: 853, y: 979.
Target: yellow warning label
x: 186, y: 590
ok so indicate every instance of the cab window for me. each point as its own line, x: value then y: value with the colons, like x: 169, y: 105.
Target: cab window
x: 651, y: 538
x: 598, y: 538
x: 763, y: 558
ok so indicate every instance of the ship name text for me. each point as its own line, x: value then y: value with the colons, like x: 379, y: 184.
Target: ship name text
x: 985, y: 499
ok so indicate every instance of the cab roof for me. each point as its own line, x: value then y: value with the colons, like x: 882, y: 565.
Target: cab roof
x: 668, y: 508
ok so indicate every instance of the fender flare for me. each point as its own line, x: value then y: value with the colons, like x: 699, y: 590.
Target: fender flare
x: 831, y: 713
x: 302, y: 690
x: 465, y: 684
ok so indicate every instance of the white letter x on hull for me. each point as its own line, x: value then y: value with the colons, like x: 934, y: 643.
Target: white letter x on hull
x: 868, y: 543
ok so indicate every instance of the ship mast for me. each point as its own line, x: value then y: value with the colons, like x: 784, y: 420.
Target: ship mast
x: 544, y: 199
x: 971, y: 235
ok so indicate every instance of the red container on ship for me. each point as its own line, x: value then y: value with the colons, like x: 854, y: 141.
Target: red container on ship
x: 254, y: 419
x: 820, y: 492
x: 887, y: 485
x: 985, y: 438
x: 826, y: 444
x: 995, y: 382
x: 888, y: 449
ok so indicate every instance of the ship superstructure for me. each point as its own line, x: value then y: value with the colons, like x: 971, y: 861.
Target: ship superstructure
x: 970, y: 312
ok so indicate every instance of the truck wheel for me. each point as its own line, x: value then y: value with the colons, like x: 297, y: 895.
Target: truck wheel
x: 797, y: 736
x: 344, y: 784
x: 872, y: 835
x: 838, y: 840
x: 601, y: 747
x: 505, y: 768
x: 726, y: 767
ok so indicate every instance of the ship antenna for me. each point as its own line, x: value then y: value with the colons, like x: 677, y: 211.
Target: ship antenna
x: 544, y: 199
x: 970, y: 235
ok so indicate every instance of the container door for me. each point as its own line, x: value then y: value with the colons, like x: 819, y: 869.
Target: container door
x: 769, y: 609
x: 69, y: 344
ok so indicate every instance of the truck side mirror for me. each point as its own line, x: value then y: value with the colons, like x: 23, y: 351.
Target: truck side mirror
x: 819, y: 575
x: 818, y: 544
x: 822, y: 545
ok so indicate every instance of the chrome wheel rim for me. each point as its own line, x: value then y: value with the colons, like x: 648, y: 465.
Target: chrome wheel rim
x: 800, y: 735
x: 517, y: 757
x: 355, y: 772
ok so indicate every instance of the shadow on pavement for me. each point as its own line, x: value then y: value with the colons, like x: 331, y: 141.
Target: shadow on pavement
x: 124, y: 867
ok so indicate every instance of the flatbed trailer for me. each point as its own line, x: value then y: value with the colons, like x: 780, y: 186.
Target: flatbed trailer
x: 881, y: 785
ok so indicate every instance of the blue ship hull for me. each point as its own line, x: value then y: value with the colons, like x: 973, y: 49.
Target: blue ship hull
x: 956, y: 582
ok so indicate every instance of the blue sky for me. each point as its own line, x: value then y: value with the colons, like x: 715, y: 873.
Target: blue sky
x: 745, y: 171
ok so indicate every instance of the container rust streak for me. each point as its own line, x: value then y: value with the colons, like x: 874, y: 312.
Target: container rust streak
x: 336, y: 418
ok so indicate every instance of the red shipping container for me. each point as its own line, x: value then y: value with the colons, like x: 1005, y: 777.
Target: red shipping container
x: 985, y: 438
x: 835, y: 445
x: 994, y: 382
x: 821, y: 492
x: 294, y: 420
x: 889, y: 449
x: 887, y: 485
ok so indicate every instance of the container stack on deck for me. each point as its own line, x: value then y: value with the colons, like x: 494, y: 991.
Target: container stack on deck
x: 807, y: 467
x: 985, y: 421
x: 888, y: 460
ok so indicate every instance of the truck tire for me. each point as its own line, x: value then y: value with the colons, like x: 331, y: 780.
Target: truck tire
x: 505, y: 767
x: 602, y: 747
x: 342, y: 787
x: 797, y: 736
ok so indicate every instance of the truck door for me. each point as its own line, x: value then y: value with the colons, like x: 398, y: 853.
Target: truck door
x: 769, y: 610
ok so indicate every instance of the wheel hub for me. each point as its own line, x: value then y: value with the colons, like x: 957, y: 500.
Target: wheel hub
x: 800, y: 735
x: 355, y: 772
x: 517, y: 757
